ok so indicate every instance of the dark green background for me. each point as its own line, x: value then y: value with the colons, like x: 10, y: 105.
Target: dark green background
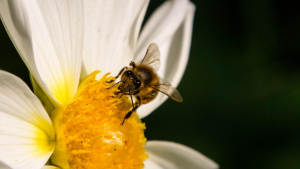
x: 241, y: 88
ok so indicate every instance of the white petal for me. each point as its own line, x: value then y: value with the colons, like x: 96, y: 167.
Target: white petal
x: 40, y: 94
x: 26, y: 131
x: 161, y: 27
x: 50, y: 167
x: 166, y: 155
x: 173, y: 36
x: 4, y: 166
x: 48, y: 35
x: 151, y: 165
x: 111, y: 31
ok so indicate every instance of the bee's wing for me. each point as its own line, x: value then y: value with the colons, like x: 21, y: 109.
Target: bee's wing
x: 152, y: 57
x: 169, y: 90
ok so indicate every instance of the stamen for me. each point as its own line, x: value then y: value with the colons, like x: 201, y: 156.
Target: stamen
x: 92, y: 130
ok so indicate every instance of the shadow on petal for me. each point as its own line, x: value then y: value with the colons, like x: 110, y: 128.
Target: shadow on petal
x: 170, y: 155
x: 3, y: 165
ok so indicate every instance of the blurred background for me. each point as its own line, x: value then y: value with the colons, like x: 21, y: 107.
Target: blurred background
x: 241, y: 88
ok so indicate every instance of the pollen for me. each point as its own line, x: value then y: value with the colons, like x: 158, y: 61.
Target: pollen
x: 92, y: 133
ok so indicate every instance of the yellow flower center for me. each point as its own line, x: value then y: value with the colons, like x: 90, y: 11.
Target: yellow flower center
x: 89, y: 133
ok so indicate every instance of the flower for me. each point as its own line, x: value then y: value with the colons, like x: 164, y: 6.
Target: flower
x: 64, y: 43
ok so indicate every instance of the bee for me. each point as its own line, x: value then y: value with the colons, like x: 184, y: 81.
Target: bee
x: 142, y: 81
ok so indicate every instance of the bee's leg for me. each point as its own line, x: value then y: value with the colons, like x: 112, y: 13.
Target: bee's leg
x: 124, y: 94
x: 114, y: 84
x: 135, y: 92
x: 130, y: 95
x: 121, y: 71
x: 118, y: 92
x: 132, y: 110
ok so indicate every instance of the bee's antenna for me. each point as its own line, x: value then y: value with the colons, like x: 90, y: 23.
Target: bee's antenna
x: 132, y: 64
x: 131, y: 101
x: 114, y: 84
x: 130, y: 96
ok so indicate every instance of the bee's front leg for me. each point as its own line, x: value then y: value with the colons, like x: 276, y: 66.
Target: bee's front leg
x: 121, y: 71
x: 113, y: 84
x: 132, y: 110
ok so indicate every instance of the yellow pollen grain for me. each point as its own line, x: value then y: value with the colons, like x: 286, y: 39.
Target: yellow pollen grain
x: 93, y: 132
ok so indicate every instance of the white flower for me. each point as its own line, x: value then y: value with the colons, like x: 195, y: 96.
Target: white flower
x: 63, y: 40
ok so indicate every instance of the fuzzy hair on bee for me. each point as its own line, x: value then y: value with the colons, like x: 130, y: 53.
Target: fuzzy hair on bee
x: 142, y: 81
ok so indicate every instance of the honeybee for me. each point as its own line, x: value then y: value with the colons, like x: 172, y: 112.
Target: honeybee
x: 142, y: 81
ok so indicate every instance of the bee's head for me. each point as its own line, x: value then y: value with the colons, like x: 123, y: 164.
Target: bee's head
x: 128, y: 73
x: 130, y: 82
x: 137, y: 83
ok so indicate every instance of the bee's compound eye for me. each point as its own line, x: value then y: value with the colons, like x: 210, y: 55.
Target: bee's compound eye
x: 137, y: 83
x: 128, y: 73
